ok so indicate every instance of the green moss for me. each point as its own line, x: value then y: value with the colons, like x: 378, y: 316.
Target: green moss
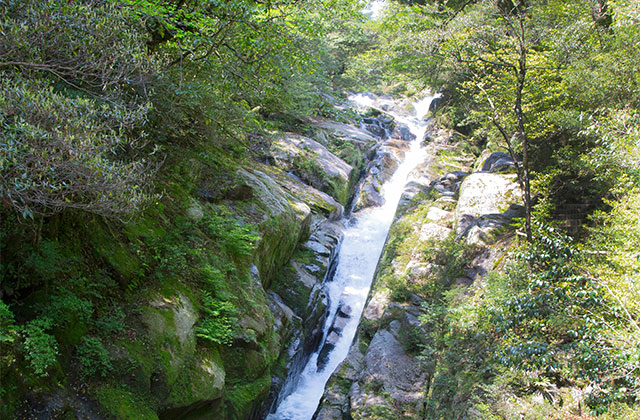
x: 149, y: 225
x: 198, y: 381
x: 243, y: 397
x: 122, y: 403
x: 110, y: 247
x: 137, y: 363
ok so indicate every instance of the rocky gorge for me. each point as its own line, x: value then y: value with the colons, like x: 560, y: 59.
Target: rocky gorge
x: 384, y: 375
x: 200, y: 219
x: 295, y: 202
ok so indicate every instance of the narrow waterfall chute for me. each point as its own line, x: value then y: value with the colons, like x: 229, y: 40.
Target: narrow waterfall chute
x: 364, y: 239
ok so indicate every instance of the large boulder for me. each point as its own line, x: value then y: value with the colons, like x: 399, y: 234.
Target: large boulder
x: 186, y: 377
x: 314, y: 164
x: 484, y: 194
x: 483, y: 230
x: 387, y: 363
x: 319, y: 202
x: 379, y: 124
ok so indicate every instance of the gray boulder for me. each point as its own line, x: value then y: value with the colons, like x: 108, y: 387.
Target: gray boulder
x: 498, y: 162
x: 485, y: 204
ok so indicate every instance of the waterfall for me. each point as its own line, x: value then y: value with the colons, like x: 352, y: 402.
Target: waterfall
x: 364, y: 239
x: 375, y: 8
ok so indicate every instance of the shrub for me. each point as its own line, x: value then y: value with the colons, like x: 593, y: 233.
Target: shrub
x: 61, y: 152
x: 40, y: 347
x: 94, y: 358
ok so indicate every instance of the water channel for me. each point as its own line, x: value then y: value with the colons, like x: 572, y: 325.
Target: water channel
x: 364, y: 237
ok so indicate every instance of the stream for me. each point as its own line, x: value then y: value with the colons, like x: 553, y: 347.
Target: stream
x: 364, y: 238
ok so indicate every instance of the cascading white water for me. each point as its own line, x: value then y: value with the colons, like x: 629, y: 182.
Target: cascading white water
x: 375, y: 8
x: 359, y: 253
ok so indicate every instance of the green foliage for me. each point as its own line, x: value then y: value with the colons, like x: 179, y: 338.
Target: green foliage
x: 47, y: 260
x: 97, y: 48
x: 236, y: 239
x: 70, y: 127
x: 554, y: 320
x: 216, y: 324
x: 111, y: 323
x: 67, y: 307
x: 60, y: 152
x: 94, y: 358
x: 40, y: 347
x: 7, y: 325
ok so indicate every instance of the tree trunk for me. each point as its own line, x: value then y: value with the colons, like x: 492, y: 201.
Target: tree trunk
x: 601, y: 14
x: 521, y: 74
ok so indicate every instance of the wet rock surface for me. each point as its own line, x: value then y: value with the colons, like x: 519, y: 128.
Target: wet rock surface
x: 386, y: 160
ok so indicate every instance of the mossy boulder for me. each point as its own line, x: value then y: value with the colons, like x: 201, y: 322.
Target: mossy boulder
x: 184, y: 375
x: 314, y: 164
x: 319, y: 202
x: 282, y: 221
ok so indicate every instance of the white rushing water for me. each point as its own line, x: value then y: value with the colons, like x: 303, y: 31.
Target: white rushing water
x: 375, y: 8
x: 359, y: 253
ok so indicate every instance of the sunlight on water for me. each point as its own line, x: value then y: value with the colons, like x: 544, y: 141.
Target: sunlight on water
x: 359, y: 253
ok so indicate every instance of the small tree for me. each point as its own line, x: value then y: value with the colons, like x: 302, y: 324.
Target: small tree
x: 505, y: 52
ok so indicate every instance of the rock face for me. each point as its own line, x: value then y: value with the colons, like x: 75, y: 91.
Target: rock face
x: 385, y: 380
x: 314, y: 164
x: 285, y: 221
x: 359, y: 137
x: 170, y: 322
x: 485, y: 204
x: 386, y: 160
x: 320, y: 203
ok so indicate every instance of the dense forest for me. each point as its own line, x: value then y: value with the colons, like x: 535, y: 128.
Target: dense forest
x: 140, y: 199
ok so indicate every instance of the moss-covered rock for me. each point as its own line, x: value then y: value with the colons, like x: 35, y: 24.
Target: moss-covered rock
x: 123, y: 403
x: 319, y: 202
x: 315, y: 165
x: 282, y: 221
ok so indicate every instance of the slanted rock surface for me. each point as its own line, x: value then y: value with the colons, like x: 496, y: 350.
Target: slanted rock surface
x: 314, y: 164
x: 285, y: 221
x: 487, y: 196
x: 358, y: 136
x: 386, y: 160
